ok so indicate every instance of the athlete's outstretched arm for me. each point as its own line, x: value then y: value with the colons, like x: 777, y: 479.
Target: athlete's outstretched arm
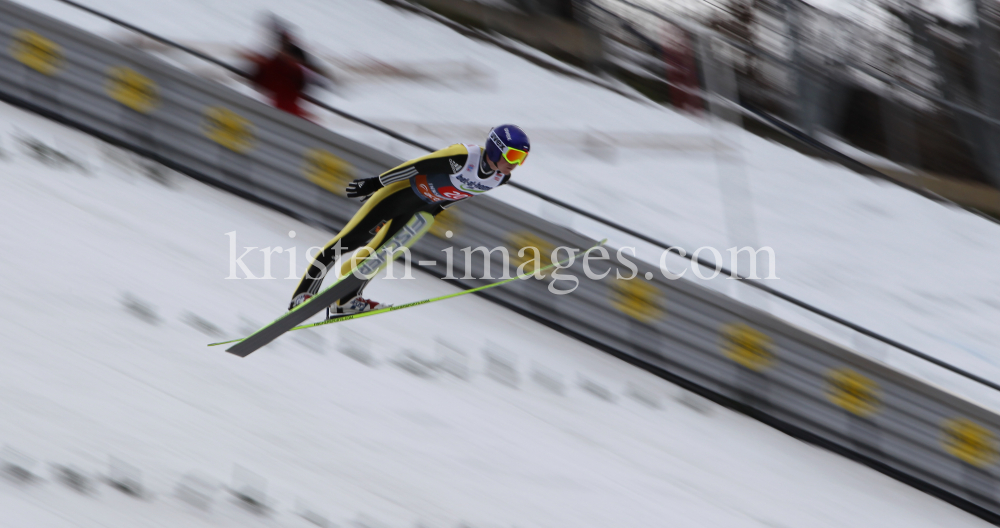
x: 444, y: 161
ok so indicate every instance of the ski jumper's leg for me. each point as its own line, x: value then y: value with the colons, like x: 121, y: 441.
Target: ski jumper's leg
x: 382, y: 206
x: 386, y: 232
x: 368, y: 249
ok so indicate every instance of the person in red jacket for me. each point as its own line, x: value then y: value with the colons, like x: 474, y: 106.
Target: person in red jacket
x: 282, y: 76
x: 285, y: 74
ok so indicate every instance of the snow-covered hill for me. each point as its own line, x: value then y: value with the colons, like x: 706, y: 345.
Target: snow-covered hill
x: 875, y: 254
x: 111, y: 281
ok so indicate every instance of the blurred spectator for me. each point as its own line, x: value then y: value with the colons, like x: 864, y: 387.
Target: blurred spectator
x: 282, y: 77
x: 285, y: 75
x: 682, y: 72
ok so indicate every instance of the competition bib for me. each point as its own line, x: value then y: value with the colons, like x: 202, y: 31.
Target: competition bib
x: 462, y: 183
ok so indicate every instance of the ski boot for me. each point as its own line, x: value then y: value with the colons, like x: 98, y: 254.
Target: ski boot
x: 354, y: 305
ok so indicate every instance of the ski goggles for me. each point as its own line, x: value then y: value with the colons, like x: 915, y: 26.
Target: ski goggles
x: 512, y: 155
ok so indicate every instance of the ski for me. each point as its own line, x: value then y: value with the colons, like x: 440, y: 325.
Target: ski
x: 436, y: 299
x: 367, y: 268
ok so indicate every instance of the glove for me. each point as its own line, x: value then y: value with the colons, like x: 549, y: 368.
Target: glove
x: 363, y: 188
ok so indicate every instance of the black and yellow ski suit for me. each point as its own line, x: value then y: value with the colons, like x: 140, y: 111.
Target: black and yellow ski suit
x: 421, y: 184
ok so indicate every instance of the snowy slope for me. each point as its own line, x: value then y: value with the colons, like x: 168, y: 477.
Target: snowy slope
x: 84, y: 378
x: 875, y: 254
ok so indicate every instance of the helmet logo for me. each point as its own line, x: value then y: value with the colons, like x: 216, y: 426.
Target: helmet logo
x: 507, y: 131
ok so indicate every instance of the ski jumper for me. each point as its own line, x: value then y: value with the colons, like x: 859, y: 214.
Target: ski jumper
x: 429, y: 183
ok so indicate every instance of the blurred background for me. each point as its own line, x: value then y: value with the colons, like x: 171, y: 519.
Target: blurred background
x: 144, y: 147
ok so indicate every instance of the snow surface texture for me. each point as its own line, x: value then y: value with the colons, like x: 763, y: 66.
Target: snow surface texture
x: 113, y: 282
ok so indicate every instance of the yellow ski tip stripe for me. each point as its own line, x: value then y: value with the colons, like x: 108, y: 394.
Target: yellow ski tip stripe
x: 226, y: 342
